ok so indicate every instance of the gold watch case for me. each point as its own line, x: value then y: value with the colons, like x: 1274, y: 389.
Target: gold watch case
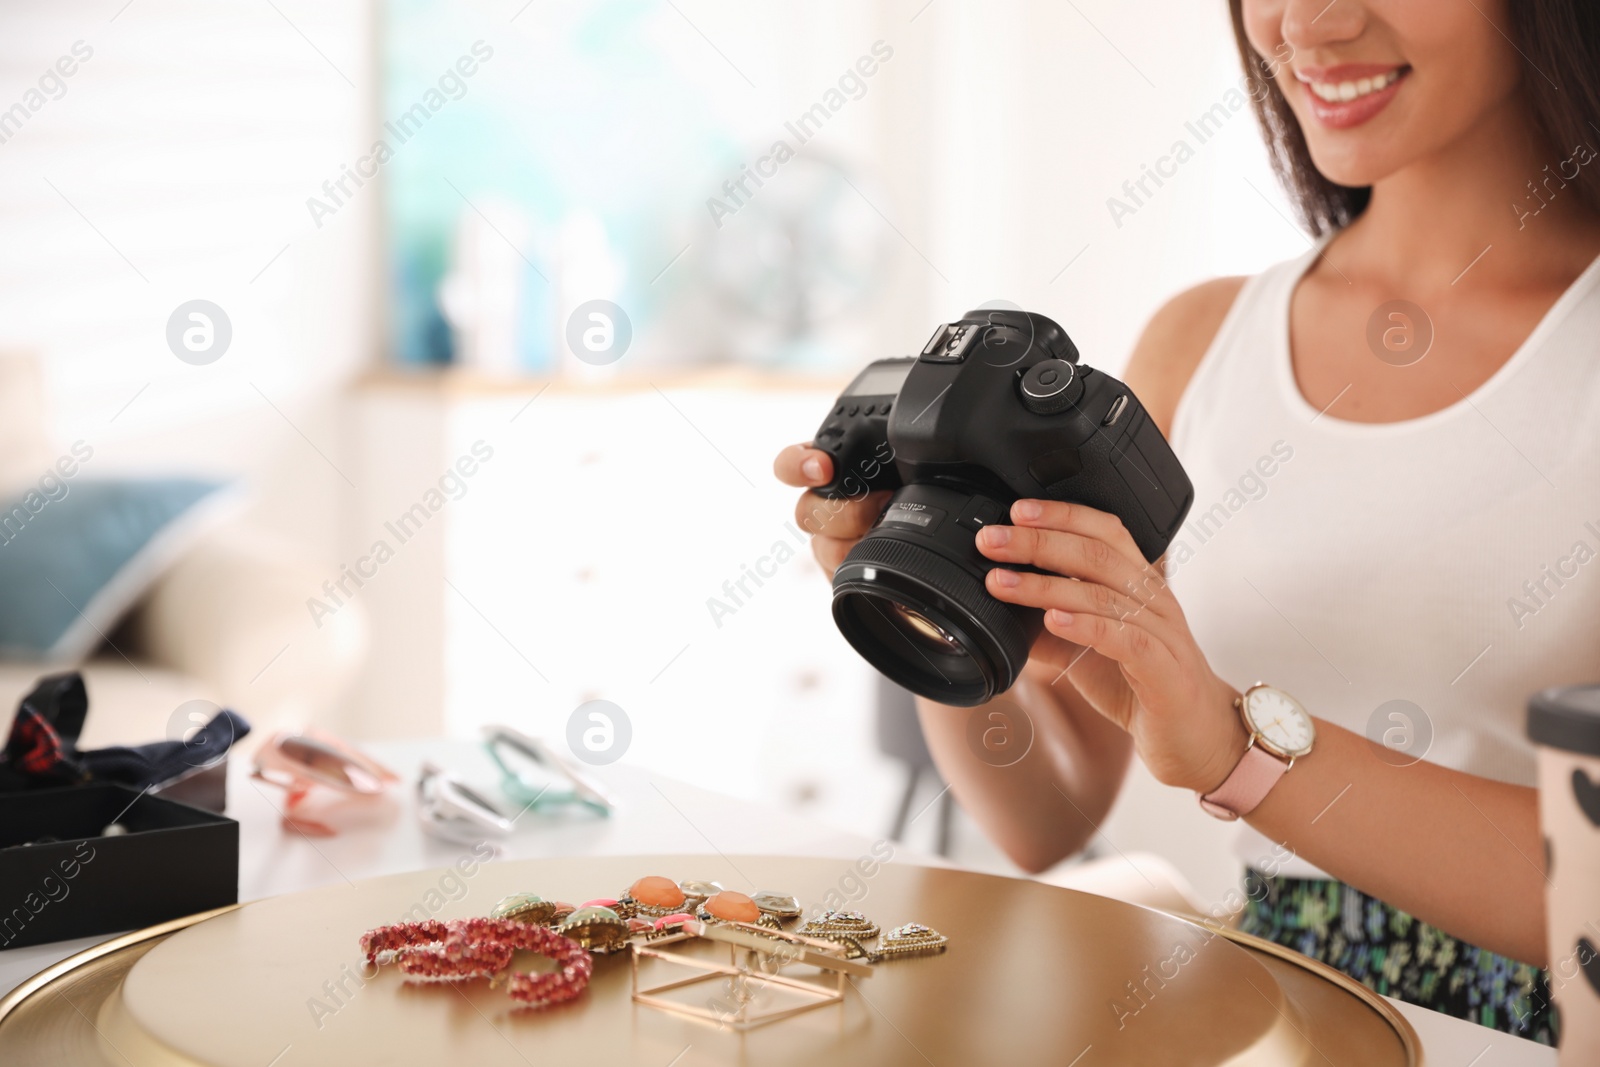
x: 1289, y: 746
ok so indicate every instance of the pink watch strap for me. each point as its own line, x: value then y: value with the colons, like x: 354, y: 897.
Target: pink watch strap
x: 1252, y: 779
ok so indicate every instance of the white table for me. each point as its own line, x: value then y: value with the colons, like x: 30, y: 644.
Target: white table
x: 655, y: 815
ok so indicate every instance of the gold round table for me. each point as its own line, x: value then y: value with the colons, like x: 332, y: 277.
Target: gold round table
x: 1033, y: 974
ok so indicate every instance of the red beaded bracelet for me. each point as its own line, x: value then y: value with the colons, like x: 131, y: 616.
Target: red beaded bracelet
x: 480, y: 948
x: 388, y: 940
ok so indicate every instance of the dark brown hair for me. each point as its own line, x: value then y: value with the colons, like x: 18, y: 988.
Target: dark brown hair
x: 1560, y: 45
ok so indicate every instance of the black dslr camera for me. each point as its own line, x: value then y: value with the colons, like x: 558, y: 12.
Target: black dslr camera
x: 996, y: 408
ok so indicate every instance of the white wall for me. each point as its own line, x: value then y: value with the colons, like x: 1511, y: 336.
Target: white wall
x: 1030, y: 115
x: 175, y: 166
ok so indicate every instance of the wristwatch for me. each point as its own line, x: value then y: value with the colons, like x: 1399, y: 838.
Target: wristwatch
x: 1281, y: 731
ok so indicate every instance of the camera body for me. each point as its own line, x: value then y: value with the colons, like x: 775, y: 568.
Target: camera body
x: 995, y: 408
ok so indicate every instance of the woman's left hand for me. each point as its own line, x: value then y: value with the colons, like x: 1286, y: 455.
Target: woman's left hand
x: 1140, y: 666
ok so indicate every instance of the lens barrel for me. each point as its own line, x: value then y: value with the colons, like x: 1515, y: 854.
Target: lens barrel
x: 910, y: 598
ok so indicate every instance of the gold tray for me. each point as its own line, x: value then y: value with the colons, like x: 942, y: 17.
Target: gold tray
x: 1034, y: 974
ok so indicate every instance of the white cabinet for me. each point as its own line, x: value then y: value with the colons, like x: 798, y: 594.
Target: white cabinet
x: 627, y: 544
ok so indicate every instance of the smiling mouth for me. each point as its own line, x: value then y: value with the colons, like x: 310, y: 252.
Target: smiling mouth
x: 1346, y: 91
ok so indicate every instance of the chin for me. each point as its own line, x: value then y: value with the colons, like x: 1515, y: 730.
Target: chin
x: 1356, y: 165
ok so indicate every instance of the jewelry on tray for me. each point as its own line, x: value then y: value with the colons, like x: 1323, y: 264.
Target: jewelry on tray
x: 483, y: 948
x: 382, y: 944
x: 655, y: 909
x: 851, y: 924
x: 854, y: 948
x: 573, y: 962
x: 597, y: 929
x: 777, y: 905
x: 526, y: 908
x: 669, y: 923
x: 453, y: 959
x: 696, y: 892
x: 756, y: 955
x: 731, y: 906
x: 911, y: 939
x: 654, y: 896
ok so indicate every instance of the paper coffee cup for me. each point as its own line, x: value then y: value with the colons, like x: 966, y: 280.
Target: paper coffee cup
x: 1565, y: 724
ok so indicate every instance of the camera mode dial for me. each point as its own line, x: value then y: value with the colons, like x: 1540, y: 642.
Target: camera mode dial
x: 1051, y: 386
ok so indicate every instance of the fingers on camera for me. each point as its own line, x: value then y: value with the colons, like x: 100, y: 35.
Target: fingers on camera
x: 843, y: 518
x: 802, y: 465
x: 830, y: 552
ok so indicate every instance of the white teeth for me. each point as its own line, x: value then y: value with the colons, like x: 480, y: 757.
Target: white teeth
x: 1342, y: 92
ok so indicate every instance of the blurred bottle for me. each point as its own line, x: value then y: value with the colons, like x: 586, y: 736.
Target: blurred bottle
x: 588, y: 270
x: 483, y: 294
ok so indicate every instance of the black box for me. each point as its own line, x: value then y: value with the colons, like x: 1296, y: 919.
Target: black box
x: 60, y: 879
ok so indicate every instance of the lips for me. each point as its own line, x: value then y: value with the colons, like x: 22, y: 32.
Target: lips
x: 1351, y: 93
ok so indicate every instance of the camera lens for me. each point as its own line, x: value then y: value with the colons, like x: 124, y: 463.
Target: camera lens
x: 934, y: 636
x: 910, y: 598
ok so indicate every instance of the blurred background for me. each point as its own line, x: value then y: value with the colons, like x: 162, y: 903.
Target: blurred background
x: 507, y: 306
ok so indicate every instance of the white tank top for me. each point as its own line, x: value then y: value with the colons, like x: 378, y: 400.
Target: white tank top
x: 1450, y: 561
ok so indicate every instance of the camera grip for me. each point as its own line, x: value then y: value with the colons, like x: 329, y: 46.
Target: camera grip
x: 863, y: 463
x: 1153, y: 479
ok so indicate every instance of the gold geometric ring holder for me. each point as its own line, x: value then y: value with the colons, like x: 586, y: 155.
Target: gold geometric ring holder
x: 756, y: 958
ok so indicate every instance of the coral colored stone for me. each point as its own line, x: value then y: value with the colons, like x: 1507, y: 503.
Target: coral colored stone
x: 673, y: 920
x: 597, y: 902
x: 656, y: 892
x: 735, y: 907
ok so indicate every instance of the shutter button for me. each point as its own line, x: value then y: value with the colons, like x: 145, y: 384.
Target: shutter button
x: 1051, y: 386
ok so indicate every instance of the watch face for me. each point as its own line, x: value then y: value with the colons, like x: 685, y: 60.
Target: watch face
x: 1283, y: 725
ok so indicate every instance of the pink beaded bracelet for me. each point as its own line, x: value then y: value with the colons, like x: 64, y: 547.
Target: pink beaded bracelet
x: 482, y: 948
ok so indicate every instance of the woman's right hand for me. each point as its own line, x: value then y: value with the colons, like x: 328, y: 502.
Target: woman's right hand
x: 836, y: 525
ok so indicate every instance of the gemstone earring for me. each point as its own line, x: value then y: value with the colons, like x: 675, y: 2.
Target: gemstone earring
x: 779, y: 906
x: 730, y: 906
x: 654, y: 896
x: 911, y: 939
x: 596, y: 929
x: 527, y: 908
x: 851, y: 924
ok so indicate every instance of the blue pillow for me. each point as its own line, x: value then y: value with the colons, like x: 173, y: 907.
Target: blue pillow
x: 74, y: 561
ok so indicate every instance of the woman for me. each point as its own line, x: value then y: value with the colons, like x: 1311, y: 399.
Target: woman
x: 1391, y: 505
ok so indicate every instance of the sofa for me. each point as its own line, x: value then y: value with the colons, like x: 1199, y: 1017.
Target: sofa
x: 225, y: 623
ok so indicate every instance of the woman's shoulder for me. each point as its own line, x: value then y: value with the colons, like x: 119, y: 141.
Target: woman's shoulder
x: 1174, y: 341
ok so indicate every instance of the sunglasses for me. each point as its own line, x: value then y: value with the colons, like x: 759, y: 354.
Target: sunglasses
x: 454, y: 811
x: 533, y: 775
x: 299, y: 762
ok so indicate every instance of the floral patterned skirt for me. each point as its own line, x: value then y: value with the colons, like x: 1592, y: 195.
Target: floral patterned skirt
x: 1393, y: 954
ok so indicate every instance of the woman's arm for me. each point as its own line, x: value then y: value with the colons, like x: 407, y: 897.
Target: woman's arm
x: 1045, y: 806
x: 1460, y: 852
